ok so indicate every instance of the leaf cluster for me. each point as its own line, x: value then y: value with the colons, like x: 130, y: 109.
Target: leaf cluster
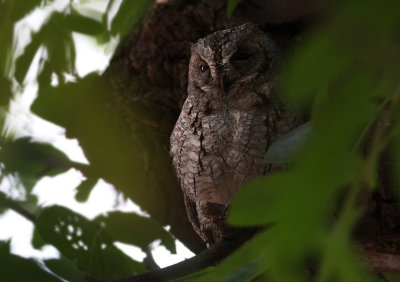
x: 87, y: 247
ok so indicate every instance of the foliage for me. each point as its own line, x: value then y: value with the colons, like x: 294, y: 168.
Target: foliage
x: 346, y: 72
x: 31, y: 160
x: 90, y: 245
x: 86, y: 246
x: 15, y: 268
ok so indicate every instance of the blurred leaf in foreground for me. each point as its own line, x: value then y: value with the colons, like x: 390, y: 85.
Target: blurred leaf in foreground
x: 15, y: 268
x: 288, y: 146
x: 56, y: 38
x: 84, y: 189
x: 346, y: 81
x: 130, y: 13
x: 131, y: 228
x: 32, y: 160
x: 66, y: 269
x: 85, y: 242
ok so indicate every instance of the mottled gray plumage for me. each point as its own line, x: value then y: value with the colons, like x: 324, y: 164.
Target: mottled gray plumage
x: 229, y: 119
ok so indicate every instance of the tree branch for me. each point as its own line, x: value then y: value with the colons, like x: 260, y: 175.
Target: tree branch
x: 208, y: 257
x: 14, y: 205
x: 382, y: 262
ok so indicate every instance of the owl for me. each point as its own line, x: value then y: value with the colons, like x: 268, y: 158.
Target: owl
x: 230, y: 117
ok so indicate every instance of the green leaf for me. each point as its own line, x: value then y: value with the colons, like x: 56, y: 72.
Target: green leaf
x: 15, y: 269
x: 56, y: 37
x: 15, y: 10
x: 25, y: 60
x: 106, y: 144
x: 84, y: 189
x: 130, y: 13
x: 232, y: 4
x: 243, y: 265
x: 391, y: 277
x: 79, y: 23
x: 340, y: 259
x: 37, y: 240
x: 29, y: 171
x: 131, y: 228
x: 288, y: 146
x: 10, y: 13
x: 3, y: 208
x: 32, y: 160
x: 306, y: 75
x: 132, y: 157
x: 245, y: 273
x: 85, y: 242
x: 66, y: 269
x: 5, y: 95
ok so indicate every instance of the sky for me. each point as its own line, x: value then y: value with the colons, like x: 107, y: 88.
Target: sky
x: 60, y: 190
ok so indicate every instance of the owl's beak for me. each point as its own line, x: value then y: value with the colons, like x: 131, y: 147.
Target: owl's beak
x: 224, y: 83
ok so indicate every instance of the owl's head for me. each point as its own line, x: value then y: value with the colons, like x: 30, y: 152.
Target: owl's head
x: 232, y: 59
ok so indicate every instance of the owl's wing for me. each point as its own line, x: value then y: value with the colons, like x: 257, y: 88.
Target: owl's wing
x: 192, y: 214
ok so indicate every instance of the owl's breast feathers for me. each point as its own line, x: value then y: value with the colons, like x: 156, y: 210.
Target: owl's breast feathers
x: 214, y: 154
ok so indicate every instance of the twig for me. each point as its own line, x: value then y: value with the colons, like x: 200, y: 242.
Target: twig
x: 149, y: 261
x: 14, y: 205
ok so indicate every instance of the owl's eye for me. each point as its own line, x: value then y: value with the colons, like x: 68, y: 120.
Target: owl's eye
x: 241, y: 57
x: 204, y: 67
